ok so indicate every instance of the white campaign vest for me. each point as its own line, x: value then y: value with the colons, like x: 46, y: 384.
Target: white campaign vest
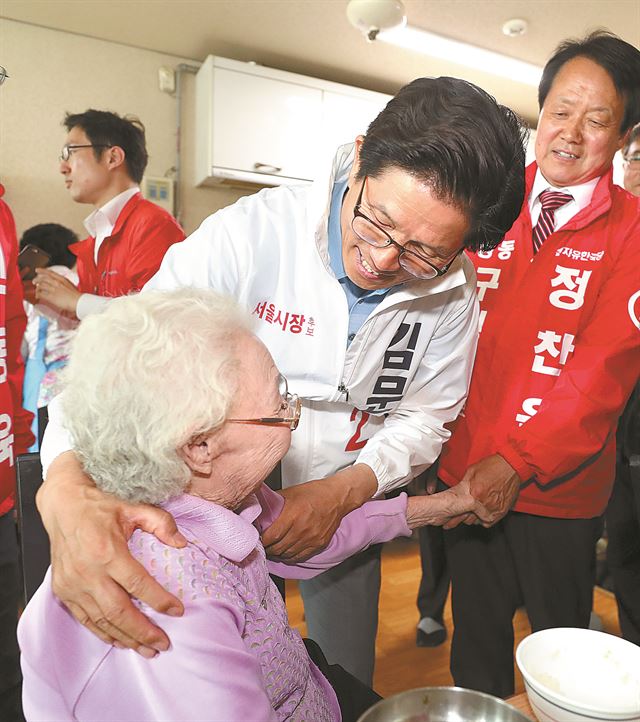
x: 384, y: 400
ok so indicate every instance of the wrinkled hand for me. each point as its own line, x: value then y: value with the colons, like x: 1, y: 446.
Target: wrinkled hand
x: 495, y: 485
x: 439, y: 509
x: 313, y: 511
x: 93, y: 571
x: 56, y: 291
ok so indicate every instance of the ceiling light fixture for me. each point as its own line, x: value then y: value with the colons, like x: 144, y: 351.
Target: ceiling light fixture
x: 371, y: 17
x: 515, y: 28
x: 455, y: 51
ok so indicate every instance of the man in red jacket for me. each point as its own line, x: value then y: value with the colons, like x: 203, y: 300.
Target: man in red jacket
x: 102, y: 161
x: 558, y: 356
x: 15, y: 438
x: 623, y: 512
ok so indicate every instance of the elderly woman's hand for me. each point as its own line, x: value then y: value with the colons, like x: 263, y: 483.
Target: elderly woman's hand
x: 442, y: 508
x: 93, y: 571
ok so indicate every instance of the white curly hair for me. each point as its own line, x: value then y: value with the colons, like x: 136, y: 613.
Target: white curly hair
x: 151, y: 373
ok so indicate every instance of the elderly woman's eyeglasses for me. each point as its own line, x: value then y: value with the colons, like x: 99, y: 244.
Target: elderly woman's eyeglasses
x: 633, y: 160
x: 290, y: 409
x: 68, y: 149
x: 411, y: 256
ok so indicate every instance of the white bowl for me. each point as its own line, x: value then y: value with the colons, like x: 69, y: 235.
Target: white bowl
x: 575, y: 675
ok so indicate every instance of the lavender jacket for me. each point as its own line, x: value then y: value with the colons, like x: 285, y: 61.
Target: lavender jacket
x: 233, y: 656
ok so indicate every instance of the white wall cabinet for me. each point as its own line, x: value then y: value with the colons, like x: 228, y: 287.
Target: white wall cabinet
x: 269, y: 127
x: 346, y: 116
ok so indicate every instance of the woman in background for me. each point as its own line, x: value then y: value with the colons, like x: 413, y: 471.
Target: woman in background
x: 48, y: 333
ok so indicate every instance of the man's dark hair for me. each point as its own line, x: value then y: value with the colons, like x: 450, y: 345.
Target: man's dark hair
x: 620, y: 59
x: 55, y: 240
x: 634, y: 134
x: 457, y: 139
x: 108, y: 129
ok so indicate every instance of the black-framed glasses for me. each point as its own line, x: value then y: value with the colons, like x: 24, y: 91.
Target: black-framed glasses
x: 67, y: 149
x: 410, y: 256
x: 633, y: 160
x: 290, y: 408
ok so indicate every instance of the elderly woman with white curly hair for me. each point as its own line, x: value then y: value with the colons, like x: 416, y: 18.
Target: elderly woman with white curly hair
x: 171, y: 400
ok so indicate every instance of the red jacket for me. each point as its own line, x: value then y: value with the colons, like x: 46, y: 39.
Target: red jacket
x: 558, y: 356
x: 15, y: 422
x: 132, y: 254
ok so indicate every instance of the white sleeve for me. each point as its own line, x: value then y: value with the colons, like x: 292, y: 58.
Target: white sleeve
x: 88, y: 303
x: 211, y: 257
x: 56, y: 438
x: 412, y: 436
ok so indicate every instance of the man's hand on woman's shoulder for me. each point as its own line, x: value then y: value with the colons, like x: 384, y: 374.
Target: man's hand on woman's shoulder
x: 93, y: 572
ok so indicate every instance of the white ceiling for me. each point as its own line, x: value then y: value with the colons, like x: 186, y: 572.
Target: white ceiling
x: 313, y: 37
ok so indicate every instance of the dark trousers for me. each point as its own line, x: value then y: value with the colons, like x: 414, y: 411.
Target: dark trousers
x: 546, y: 564
x: 10, y: 676
x: 341, y: 611
x: 354, y: 697
x: 434, y: 582
x: 623, y: 548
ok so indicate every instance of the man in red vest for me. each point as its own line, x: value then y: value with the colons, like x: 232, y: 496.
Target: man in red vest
x: 15, y: 438
x: 102, y: 161
x: 558, y: 357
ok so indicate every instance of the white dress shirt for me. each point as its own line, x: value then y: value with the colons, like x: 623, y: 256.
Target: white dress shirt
x: 581, y: 198
x: 100, y: 225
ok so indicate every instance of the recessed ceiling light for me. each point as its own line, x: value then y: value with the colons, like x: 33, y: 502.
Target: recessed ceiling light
x: 515, y: 27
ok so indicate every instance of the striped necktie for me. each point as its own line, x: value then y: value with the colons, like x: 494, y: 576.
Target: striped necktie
x: 551, y: 201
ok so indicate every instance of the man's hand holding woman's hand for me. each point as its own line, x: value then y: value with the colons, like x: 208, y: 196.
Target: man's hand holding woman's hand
x: 486, y: 492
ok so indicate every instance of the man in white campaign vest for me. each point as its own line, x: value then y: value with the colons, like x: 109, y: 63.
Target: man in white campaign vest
x: 361, y: 291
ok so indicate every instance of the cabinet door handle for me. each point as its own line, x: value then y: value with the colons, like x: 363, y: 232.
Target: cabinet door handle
x: 266, y: 168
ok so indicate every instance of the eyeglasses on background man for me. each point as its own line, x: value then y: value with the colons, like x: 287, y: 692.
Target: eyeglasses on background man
x: 633, y: 159
x: 68, y: 149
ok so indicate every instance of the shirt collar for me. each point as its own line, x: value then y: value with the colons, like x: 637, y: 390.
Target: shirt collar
x: 334, y: 229
x: 581, y: 193
x: 229, y: 533
x: 102, y: 220
x: 334, y: 232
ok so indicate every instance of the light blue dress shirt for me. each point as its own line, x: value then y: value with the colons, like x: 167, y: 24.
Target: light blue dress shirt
x: 360, y: 301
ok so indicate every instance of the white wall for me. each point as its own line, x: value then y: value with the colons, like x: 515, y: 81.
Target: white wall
x: 52, y: 72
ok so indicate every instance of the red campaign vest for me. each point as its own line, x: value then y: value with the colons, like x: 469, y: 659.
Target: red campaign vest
x: 15, y: 422
x: 558, y: 355
x: 132, y: 254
